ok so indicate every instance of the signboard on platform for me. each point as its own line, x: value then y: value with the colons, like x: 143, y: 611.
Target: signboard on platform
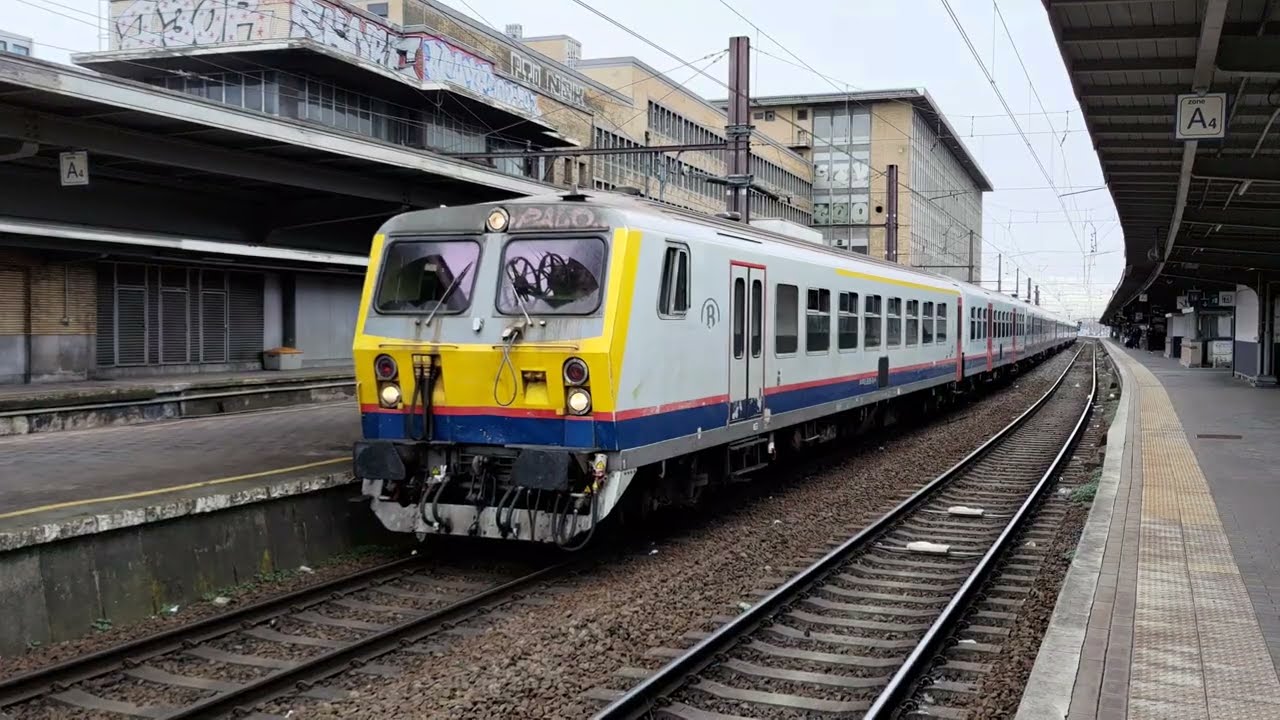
x: 1227, y: 298
x: 74, y: 168
x: 1202, y: 117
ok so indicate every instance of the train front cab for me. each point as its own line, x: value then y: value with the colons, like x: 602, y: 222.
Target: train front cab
x: 486, y: 347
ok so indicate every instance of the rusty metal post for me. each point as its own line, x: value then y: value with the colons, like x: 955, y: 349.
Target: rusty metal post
x: 1028, y: 288
x: 999, y: 273
x: 738, y: 130
x: 891, y: 214
x: 971, y: 257
x: 1037, y: 294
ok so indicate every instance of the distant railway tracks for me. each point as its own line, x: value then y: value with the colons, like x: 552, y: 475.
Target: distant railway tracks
x: 288, y: 646
x: 860, y: 633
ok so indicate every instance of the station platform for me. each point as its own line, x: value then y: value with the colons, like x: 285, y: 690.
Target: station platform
x: 49, y: 407
x: 66, y: 484
x: 1171, y: 608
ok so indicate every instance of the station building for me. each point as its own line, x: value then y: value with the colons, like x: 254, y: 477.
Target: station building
x: 851, y: 139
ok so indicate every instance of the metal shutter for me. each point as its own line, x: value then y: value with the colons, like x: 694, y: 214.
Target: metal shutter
x: 106, y: 315
x: 153, y: 315
x: 173, y: 326
x: 13, y: 302
x: 213, y: 326
x: 131, y: 326
x: 246, y: 317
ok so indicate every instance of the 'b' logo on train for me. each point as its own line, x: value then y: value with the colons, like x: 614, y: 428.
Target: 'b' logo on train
x: 710, y: 313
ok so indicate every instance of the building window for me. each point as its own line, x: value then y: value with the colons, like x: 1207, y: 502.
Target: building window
x: 673, y: 296
x: 817, y: 328
x: 893, y: 332
x: 786, y: 320
x: 847, y: 324
x: 802, y: 114
x: 379, y: 9
x: 19, y: 49
x: 871, y: 323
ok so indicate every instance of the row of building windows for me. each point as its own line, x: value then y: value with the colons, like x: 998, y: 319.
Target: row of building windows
x: 292, y: 96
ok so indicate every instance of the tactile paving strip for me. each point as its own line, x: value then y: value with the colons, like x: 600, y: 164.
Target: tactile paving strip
x: 1198, y: 651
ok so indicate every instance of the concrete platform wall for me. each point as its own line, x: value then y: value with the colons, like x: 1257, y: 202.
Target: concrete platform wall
x: 57, y: 590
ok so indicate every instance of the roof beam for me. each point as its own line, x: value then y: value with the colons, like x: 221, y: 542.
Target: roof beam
x: 1138, y: 64
x: 1235, y: 217
x: 1138, y: 90
x: 1257, y: 169
x: 1188, y: 31
x: 98, y: 138
x: 1138, y: 159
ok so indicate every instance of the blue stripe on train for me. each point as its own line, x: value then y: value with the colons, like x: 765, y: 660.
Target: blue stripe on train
x: 622, y: 434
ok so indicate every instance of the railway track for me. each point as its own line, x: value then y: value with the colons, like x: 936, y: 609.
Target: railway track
x: 857, y: 633
x: 290, y: 646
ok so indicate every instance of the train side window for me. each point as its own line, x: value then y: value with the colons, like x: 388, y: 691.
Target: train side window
x: 893, y: 333
x: 757, y: 317
x: 847, y: 324
x: 926, y: 324
x: 871, y: 323
x: 973, y: 324
x: 739, y: 317
x: 786, y: 325
x: 673, y: 296
x: 941, y: 333
x: 817, y: 325
x: 913, y: 323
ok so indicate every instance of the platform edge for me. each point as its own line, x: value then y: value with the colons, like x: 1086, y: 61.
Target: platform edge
x: 1047, y: 695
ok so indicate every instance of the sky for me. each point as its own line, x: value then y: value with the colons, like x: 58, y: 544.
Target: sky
x: 1047, y: 210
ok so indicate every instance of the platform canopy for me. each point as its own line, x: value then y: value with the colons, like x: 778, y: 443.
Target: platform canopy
x: 1182, y: 99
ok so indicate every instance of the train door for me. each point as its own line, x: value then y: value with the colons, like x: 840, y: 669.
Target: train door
x: 746, y: 349
x: 960, y: 331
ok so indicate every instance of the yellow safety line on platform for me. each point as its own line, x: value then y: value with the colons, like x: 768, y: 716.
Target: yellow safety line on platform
x: 175, y: 488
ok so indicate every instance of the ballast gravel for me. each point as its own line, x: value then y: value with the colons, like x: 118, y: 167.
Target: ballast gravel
x: 538, y: 662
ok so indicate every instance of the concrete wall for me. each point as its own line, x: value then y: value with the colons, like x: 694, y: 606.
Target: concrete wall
x: 56, y: 591
x: 891, y: 145
x: 48, y: 316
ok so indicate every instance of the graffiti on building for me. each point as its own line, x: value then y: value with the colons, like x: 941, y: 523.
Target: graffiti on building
x: 143, y: 24
x: 442, y: 62
x: 555, y: 84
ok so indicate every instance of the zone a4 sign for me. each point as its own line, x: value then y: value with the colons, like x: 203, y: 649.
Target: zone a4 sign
x: 1202, y: 117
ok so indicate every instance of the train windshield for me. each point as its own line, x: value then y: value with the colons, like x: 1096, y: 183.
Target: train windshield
x: 428, y: 276
x: 552, y: 276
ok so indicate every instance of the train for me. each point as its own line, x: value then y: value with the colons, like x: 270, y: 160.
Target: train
x: 527, y: 369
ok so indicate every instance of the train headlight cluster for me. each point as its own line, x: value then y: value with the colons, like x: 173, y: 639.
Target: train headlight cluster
x: 579, y: 401
x: 386, y: 371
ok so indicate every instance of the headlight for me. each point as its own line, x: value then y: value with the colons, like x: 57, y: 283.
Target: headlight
x: 575, y: 371
x: 497, y: 220
x: 579, y: 401
x: 390, y: 395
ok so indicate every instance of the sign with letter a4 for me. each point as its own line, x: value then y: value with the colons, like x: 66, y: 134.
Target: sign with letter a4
x: 74, y: 167
x: 1202, y: 117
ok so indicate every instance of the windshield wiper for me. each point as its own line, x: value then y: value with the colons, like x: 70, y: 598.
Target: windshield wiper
x: 448, y: 291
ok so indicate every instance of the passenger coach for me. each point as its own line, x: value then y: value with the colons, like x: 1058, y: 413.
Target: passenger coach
x: 527, y: 368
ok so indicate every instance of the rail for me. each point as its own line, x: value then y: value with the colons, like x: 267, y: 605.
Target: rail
x: 676, y: 674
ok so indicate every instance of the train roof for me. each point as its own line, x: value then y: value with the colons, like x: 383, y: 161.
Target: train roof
x: 633, y: 203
